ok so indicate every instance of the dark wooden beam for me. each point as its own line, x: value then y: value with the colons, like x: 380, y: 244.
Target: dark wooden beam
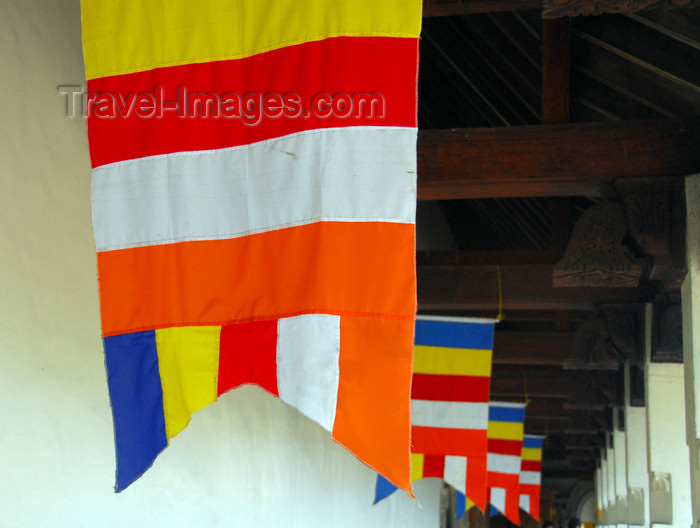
x: 432, y: 8
x: 556, y: 45
x: 524, y: 287
x: 553, y: 409
x: 520, y: 383
x: 552, y: 160
x: 573, y: 471
x: 546, y: 426
x: 550, y: 8
x: 532, y: 348
x: 488, y: 257
x: 570, y: 8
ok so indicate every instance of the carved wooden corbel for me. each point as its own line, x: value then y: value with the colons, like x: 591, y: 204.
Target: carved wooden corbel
x: 596, y: 255
x: 655, y: 210
x: 591, y: 348
x: 667, y: 329
x: 625, y: 329
x: 636, y: 386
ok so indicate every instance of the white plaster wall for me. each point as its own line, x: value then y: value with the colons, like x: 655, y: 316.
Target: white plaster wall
x: 620, y: 477
x: 612, y: 499
x: 587, y: 509
x: 598, y: 495
x: 247, y: 461
x: 604, y: 484
x: 691, y: 335
x: 636, y: 454
x: 691, y: 292
x: 666, y: 438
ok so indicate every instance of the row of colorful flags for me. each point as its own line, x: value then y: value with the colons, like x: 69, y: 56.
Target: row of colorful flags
x: 273, y: 242
x: 475, y: 445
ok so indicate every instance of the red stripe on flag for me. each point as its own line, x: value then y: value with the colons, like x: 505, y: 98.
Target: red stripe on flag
x: 505, y: 447
x: 445, y: 441
x: 439, y: 387
x: 476, y: 481
x: 503, y: 480
x: 335, y: 66
x: 533, y: 491
x: 248, y: 354
x: 434, y: 466
x: 531, y: 465
x: 260, y: 276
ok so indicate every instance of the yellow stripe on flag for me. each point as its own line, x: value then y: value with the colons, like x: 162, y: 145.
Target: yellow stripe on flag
x: 417, y: 466
x: 451, y: 361
x: 529, y: 453
x: 505, y: 430
x: 126, y: 36
x: 188, y: 360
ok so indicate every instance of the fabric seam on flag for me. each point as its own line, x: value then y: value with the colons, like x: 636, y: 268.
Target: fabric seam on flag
x: 256, y: 319
x: 241, y: 234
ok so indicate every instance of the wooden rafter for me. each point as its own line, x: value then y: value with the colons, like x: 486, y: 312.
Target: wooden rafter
x: 532, y: 348
x: 524, y: 287
x: 552, y: 160
x: 550, y: 8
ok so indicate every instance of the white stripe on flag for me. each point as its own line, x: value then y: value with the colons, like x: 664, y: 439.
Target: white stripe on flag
x: 456, y: 472
x: 308, y: 348
x: 456, y: 415
x: 525, y: 502
x: 498, y: 499
x: 341, y: 174
x: 530, y: 477
x: 503, y: 463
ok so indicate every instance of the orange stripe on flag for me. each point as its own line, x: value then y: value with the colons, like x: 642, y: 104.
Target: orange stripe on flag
x: 372, y: 415
x: 315, y: 268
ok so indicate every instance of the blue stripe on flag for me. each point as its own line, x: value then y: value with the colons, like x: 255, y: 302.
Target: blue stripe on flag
x: 461, y: 504
x: 384, y: 489
x: 506, y: 414
x: 139, y: 421
x: 454, y: 334
x: 533, y: 443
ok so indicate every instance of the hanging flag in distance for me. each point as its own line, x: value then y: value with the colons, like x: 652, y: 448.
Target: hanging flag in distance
x: 253, y: 199
x: 505, y: 441
x: 531, y: 475
x: 449, y: 403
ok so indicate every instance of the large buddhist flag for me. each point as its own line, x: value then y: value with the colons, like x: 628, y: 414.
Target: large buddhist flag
x: 505, y: 441
x: 531, y: 475
x: 253, y: 198
x: 449, y: 404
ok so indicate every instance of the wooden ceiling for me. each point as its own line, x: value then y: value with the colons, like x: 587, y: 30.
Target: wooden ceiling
x: 554, y: 138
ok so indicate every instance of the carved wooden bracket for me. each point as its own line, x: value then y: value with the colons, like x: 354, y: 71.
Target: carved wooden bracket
x: 620, y: 419
x: 649, y: 219
x: 591, y: 349
x: 636, y: 386
x: 595, y: 255
x: 587, y: 423
x: 655, y: 211
x: 625, y: 328
x: 667, y: 329
x: 594, y: 393
x: 571, y: 8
